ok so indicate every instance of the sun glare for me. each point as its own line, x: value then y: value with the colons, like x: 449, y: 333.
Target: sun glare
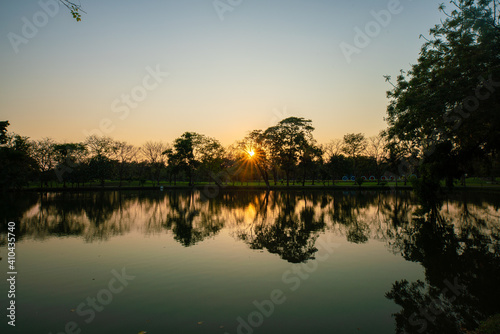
x: 251, y: 153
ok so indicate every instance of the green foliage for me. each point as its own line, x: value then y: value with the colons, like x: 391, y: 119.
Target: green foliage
x: 288, y: 141
x: 338, y: 165
x: 3, y: 132
x: 452, y: 94
x: 354, y: 144
x: 74, y: 9
x: 427, y: 188
x: 194, y: 152
x: 68, y: 156
x: 359, y: 181
x: 17, y: 167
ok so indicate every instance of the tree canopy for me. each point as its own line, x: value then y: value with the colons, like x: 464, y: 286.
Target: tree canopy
x: 447, y: 103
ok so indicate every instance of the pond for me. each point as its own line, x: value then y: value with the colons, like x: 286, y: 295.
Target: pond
x: 250, y: 262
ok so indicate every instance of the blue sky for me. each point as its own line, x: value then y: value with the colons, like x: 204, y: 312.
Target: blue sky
x: 267, y: 59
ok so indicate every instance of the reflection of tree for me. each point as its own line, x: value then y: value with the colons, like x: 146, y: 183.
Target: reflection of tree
x: 346, y: 211
x: 462, y: 266
x: 291, y: 235
x: 93, y: 215
x: 190, y: 219
x: 12, y: 209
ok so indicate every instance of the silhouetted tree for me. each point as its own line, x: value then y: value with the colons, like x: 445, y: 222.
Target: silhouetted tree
x: 42, y: 151
x: 288, y: 141
x: 68, y: 157
x: 124, y: 154
x: 354, y: 145
x: 451, y: 96
x: 17, y: 167
x: 154, y: 154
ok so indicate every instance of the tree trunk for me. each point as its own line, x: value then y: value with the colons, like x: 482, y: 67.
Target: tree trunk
x: 264, y: 175
x: 120, y: 176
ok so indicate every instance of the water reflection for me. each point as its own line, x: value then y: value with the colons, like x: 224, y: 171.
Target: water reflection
x: 288, y: 227
x: 457, y: 243
x: 458, y: 247
x: 284, y: 223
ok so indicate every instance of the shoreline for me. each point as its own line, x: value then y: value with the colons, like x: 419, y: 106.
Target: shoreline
x: 243, y: 187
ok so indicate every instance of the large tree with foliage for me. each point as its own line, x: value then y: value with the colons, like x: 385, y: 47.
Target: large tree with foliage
x: 70, y: 162
x: 124, y: 154
x: 252, y: 151
x: 17, y: 167
x: 354, y: 145
x: 101, y: 150
x: 3, y: 132
x: 446, y: 106
x: 193, y: 152
x: 211, y: 155
x: 42, y: 151
x: 153, y: 153
x: 288, y: 141
x: 181, y: 155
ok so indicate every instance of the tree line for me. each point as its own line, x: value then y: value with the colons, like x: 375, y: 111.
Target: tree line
x: 443, y: 124
x: 459, y: 244
x: 286, y: 153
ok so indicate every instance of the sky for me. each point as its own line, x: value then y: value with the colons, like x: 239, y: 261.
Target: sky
x: 151, y: 69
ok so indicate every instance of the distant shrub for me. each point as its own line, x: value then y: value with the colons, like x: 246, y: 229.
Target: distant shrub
x: 359, y: 181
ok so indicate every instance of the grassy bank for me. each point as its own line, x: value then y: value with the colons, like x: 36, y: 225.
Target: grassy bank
x: 471, y: 183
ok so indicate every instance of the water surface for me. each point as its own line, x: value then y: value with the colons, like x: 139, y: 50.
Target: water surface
x: 251, y: 262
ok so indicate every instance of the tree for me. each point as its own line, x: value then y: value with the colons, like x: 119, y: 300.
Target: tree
x: 153, y: 152
x: 311, y: 158
x: 3, y: 132
x: 333, y: 147
x: 452, y: 94
x: 354, y: 145
x: 182, y: 154
x: 337, y: 166
x: 69, y: 157
x: 377, y: 150
x: 210, y: 153
x: 124, y: 154
x: 101, y: 149
x: 252, y: 150
x: 43, y: 152
x: 193, y: 152
x: 17, y: 167
x: 287, y: 142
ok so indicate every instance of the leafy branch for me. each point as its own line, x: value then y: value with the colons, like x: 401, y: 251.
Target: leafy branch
x: 75, y: 9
